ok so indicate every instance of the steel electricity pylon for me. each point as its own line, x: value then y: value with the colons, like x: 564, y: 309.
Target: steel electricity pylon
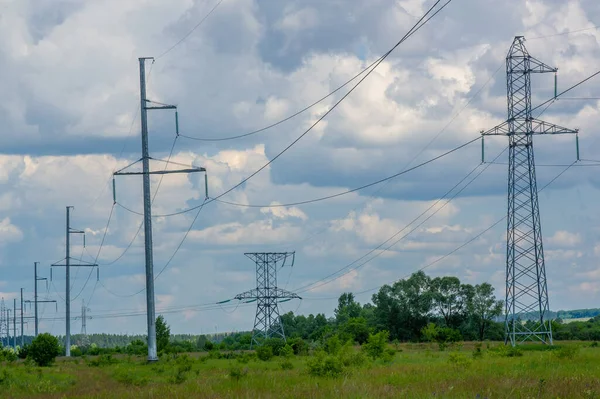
x: 526, y: 285
x: 267, y: 294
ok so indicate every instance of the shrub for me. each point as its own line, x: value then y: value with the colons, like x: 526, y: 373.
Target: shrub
x: 594, y: 344
x: 299, y: 346
x: 276, y: 345
x: 567, y: 352
x: 321, y: 365
x: 209, y: 346
x: 136, y: 347
x: 477, y: 353
x: 286, y: 365
x: 286, y: 352
x: 102, y: 360
x: 459, y: 360
x: 44, y: 349
x: 236, y: 373
x: 23, y: 352
x: 264, y: 353
x: 375, y: 346
x: 333, y: 345
x: 7, y: 355
x: 5, y: 377
x: 184, y: 363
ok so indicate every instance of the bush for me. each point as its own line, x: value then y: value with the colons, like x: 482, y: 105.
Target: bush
x: 23, y: 352
x: 333, y: 345
x: 286, y: 365
x: 264, y: 353
x: 594, y: 344
x: 567, y: 352
x: 321, y: 365
x: 477, y: 353
x: 7, y: 355
x: 276, y: 345
x: 299, y: 346
x: 459, y: 360
x: 286, y: 352
x: 102, y: 360
x: 44, y: 349
x: 236, y: 373
x: 375, y: 346
x: 136, y: 347
x: 209, y: 346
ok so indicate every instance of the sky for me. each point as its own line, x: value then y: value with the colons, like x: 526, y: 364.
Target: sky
x: 69, y: 117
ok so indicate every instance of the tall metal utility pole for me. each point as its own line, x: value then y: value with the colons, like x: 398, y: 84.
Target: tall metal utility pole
x: 267, y: 295
x: 144, y: 108
x: 22, y: 337
x: 526, y: 284
x: 67, y: 266
x: 35, y: 295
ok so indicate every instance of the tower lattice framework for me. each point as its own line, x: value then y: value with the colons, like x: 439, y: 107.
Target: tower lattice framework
x: 526, y: 284
x: 267, y: 294
x: 4, y: 324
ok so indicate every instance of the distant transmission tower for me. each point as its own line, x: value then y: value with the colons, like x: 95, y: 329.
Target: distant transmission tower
x: 84, y: 318
x: 4, y: 324
x: 267, y: 295
x: 526, y: 287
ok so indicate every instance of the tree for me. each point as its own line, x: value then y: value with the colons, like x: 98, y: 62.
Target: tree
x: 404, y: 308
x: 163, y: 333
x: 356, y: 328
x: 347, y: 308
x: 483, y: 307
x: 450, y: 298
x: 44, y: 349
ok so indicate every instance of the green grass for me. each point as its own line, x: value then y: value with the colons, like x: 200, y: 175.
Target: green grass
x: 418, y: 371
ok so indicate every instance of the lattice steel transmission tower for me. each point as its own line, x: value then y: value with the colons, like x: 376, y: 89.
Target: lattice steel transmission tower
x: 4, y: 324
x: 526, y: 287
x: 267, y: 294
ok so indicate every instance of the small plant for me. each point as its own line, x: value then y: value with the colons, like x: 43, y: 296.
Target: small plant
x: 594, y: 344
x: 567, y: 352
x: 264, y: 353
x: 459, y: 360
x: 237, y: 373
x: 7, y: 355
x: 44, y: 349
x: 477, y: 353
x: 388, y: 355
x: 322, y: 365
x: 5, y: 377
x: 376, y: 345
x: 286, y: 352
x: 102, y: 360
x: 286, y: 365
x: 23, y: 351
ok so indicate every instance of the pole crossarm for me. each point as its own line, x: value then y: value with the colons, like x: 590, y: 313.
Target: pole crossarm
x: 511, y: 127
x: 162, y: 172
x: 275, y: 293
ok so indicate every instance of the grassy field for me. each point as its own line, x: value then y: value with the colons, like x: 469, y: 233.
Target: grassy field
x: 414, y: 371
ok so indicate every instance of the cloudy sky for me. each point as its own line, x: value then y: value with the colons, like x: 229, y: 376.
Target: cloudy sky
x: 69, y: 117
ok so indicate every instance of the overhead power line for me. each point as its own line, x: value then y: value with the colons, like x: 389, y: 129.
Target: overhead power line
x: 420, y: 23
x: 367, y: 69
x: 405, y: 171
x: 184, y: 38
x: 452, y: 252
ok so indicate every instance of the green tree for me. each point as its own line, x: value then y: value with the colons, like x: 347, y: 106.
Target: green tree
x: 44, y: 349
x: 357, y: 329
x: 163, y: 333
x: 347, y: 308
x: 450, y: 298
x: 483, y: 307
x: 404, y: 308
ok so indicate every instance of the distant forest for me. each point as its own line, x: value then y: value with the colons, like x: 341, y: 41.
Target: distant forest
x: 413, y: 309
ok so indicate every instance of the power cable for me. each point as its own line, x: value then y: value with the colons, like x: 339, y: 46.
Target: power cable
x: 565, y: 33
x: 354, y: 189
x: 472, y: 239
x: 334, y: 276
x: 420, y: 23
x: 373, y: 65
x: 191, y: 31
x: 544, y: 104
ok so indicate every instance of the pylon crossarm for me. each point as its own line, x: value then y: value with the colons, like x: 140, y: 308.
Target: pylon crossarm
x: 542, y: 127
